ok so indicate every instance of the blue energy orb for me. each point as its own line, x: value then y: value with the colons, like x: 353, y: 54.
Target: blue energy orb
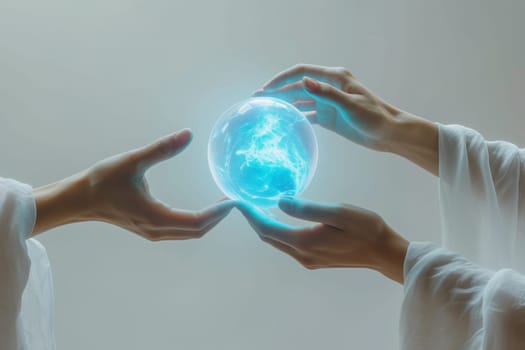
x: 262, y: 149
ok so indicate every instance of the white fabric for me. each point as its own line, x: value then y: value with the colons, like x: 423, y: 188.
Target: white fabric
x: 26, y: 287
x: 482, y: 192
x: 451, y: 302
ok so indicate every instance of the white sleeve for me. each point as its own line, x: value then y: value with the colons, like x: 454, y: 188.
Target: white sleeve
x: 26, y: 289
x: 482, y: 197
x: 452, y: 304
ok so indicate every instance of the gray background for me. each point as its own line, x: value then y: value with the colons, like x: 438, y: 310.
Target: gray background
x: 80, y: 81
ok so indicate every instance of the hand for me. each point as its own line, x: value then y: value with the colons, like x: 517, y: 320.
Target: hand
x: 115, y: 190
x: 337, y: 101
x: 344, y: 236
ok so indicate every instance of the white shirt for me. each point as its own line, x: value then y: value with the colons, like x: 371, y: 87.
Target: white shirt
x: 26, y: 287
x: 454, y: 303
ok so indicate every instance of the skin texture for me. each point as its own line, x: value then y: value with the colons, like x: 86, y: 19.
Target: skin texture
x: 115, y: 191
x: 345, y: 236
x: 335, y: 100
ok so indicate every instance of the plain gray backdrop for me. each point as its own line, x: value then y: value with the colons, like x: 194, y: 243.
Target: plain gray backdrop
x: 83, y: 80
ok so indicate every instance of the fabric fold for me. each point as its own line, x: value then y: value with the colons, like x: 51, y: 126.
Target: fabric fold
x: 26, y: 286
x: 451, y: 302
x: 481, y: 196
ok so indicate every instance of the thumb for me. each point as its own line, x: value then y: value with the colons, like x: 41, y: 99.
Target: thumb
x: 326, y: 92
x: 163, y: 149
x: 327, y: 213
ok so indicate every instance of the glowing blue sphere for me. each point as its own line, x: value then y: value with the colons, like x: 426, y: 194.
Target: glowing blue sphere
x: 262, y: 149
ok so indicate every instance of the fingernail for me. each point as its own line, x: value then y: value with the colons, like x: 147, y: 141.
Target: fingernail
x: 184, y: 132
x: 180, y: 140
x: 311, y: 84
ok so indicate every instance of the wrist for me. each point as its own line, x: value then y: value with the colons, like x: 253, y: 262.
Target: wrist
x: 390, y: 253
x: 62, y: 202
x: 398, y: 131
x: 413, y: 138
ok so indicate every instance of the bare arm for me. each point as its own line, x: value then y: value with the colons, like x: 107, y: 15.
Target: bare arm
x: 61, y: 203
x: 115, y: 190
x: 415, y: 139
x: 333, y: 98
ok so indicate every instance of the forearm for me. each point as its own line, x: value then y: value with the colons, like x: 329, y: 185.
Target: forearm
x: 415, y: 139
x: 60, y: 203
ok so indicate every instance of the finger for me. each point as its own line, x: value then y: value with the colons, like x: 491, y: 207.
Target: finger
x: 292, y: 93
x: 285, y: 248
x: 308, y: 91
x: 162, y: 149
x: 309, y: 103
x: 296, y: 73
x: 311, y: 116
x: 163, y: 216
x: 267, y: 227
x: 305, y: 105
x: 327, y: 93
x: 327, y: 213
x: 164, y: 233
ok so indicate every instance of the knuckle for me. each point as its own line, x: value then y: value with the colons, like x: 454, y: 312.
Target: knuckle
x: 375, y: 218
x: 196, y: 222
x: 299, y: 68
x: 346, y: 73
x: 340, y: 210
x: 348, y: 87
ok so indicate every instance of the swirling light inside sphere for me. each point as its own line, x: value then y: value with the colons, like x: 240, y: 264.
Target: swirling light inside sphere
x: 261, y: 150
